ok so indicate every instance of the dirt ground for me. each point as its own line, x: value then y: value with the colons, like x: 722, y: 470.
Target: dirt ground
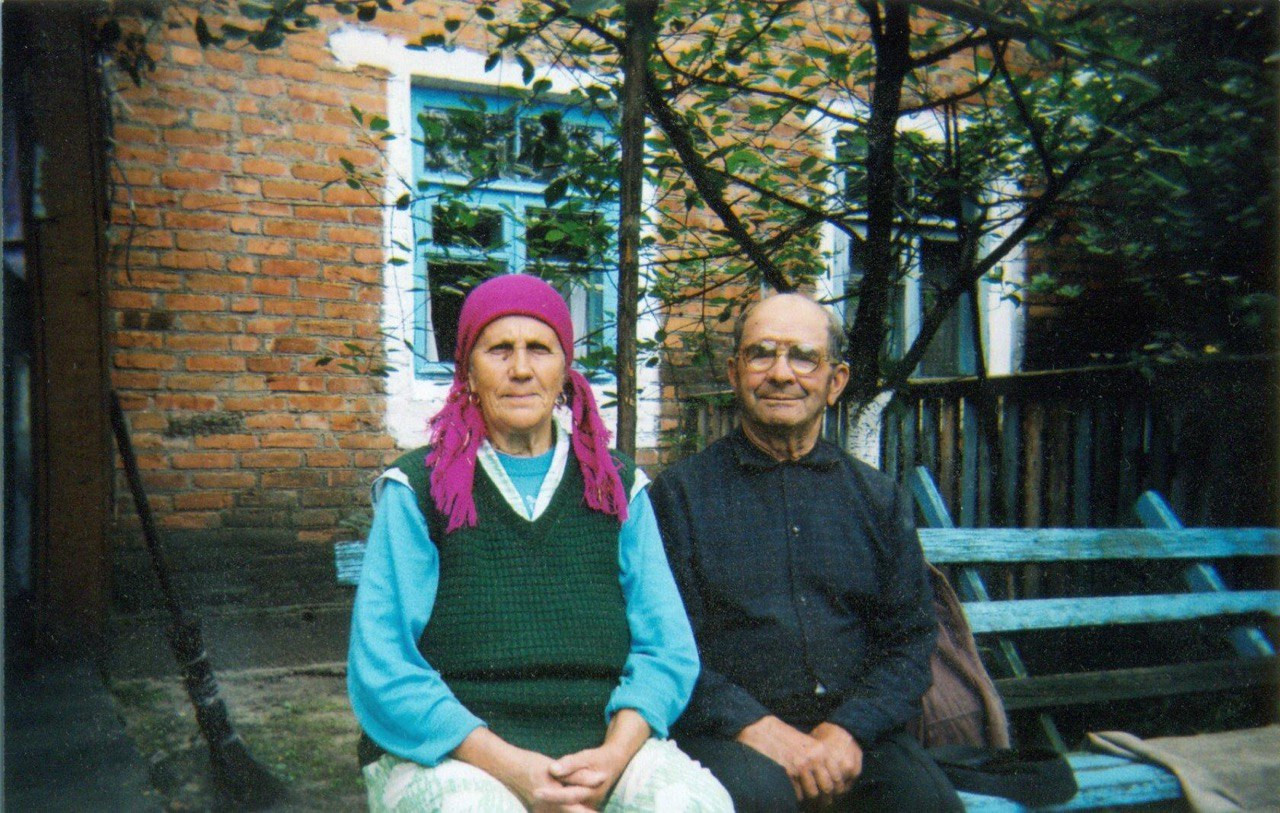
x: 296, y: 722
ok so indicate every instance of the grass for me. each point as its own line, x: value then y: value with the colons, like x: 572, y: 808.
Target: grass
x: 295, y: 722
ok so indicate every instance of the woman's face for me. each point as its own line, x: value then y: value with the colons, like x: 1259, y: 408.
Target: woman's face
x: 517, y: 371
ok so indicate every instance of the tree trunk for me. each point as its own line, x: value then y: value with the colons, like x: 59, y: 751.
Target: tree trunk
x: 640, y: 15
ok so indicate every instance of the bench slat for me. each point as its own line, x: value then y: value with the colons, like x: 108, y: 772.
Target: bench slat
x: 1016, y: 545
x: 1048, y: 691
x: 1060, y: 613
x: 1104, y: 781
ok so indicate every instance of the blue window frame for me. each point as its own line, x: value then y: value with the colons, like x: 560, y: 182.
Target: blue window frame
x: 468, y: 229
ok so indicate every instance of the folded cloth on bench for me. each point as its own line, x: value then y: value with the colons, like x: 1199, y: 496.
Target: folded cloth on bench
x: 1220, y: 773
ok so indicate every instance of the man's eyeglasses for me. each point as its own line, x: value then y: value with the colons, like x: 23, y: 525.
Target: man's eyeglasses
x: 801, y: 358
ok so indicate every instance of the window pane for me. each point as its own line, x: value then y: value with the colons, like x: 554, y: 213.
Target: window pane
x: 467, y: 142
x: 457, y: 225
x: 951, y: 350
x: 559, y: 236
x: 547, y: 144
x: 448, y: 284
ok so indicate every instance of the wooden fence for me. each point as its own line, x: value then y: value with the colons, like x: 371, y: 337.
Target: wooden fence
x: 1075, y: 448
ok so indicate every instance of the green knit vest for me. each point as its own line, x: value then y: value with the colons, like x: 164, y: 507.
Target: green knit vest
x: 529, y: 628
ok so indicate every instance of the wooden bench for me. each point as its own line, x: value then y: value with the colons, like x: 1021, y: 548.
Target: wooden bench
x: 1104, y: 781
x: 971, y: 555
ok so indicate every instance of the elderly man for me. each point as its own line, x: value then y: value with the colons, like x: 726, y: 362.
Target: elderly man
x: 805, y: 584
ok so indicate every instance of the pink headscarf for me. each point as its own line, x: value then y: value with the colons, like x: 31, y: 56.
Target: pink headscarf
x: 458, y: 429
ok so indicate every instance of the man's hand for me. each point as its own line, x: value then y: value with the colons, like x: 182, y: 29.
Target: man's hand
x: 821, y: 765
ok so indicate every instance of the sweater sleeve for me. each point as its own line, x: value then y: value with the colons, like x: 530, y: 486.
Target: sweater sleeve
x: 660, y: 671
x: 400, y: 701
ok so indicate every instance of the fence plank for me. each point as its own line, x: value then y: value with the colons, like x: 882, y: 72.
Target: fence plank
x: 1063, y: 613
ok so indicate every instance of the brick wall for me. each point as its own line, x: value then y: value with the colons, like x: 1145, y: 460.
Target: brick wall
x: 240, y: 258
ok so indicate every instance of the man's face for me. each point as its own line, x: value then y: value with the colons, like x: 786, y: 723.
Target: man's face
x: 774, y: 374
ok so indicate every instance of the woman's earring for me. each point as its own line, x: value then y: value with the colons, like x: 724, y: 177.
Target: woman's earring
x: 473, y: 398
x: 562, y: 399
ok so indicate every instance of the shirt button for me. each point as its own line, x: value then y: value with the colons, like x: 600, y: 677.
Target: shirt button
x: 819, y: 689
x: 795, y: 529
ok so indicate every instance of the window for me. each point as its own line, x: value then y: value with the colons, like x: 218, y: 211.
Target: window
x: 928, y: 255
x: 493, y: 198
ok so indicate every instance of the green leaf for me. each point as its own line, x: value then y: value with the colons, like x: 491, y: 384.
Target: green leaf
x: 485, y: 13
x: 526, y: 68
x: 347, y: 165
x: 253, y: 11
x: 555, y: 191
x: 452, y: 25
x: 431, y: 40
x: 378, y: 124
x: 366, y: 14
x: 402, y: 202
x: 493, y: 59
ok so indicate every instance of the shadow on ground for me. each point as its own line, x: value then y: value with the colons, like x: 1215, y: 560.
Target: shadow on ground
x: 295, y: 721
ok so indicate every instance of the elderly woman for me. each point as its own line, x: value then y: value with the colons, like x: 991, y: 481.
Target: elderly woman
x: 517, y: 640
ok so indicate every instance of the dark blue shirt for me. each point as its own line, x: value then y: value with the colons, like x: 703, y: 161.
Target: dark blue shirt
x: 805, y: 585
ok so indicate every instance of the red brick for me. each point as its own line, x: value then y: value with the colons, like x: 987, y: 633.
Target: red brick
x: 291, y: 228
x: 268, y: 208
x: 295, y: 383
x: 245, y: 225
x: 375, y: 460
x: 201, y: 241
x: 187, y: 179
x: 248, y: 383
x: 293, y: 307
x: 137, y: 338
x: 224, y: 479
x: 271, y: 286
x: 349, y: 310
x: 164, y: 480
x: 270, y: 460
x: 294, y: 344
x: 242, y: 265
x: 264, y: 325
x: 130, y: 134
x: 202, y: 500
x: 202, y: 460
x: 215, y: 364
x: 145, y: 361
x: 317, y: 93
x: 265, y: 87
x: 224, y: 60
x: 246, y: 304
x: 159, y: 116
x: 263, y: 166
x: 355, y: 385
x: 289, y: 440
x: 330, y: 214
x: 316, y: 422
x: 278, y: 248
x: 291, y: 190
x: 324, y: 290
x: 194, y: 382
x: 193, y: 302
x: 246, y: 186
x: 365, y: 442
x: 287, y: 68
x: 271, y: 420
x: 257, y: 403
x: 206, y: 160
x: 318, y: 172
x: 228, y: 442
x: 169, y: 402
x: 195, y: 341
x: 246, y: 344
x: 325, y: 327
x: 212, y: 121
x: 188, y: 260
x: 130, y: 299
x: 219, y: 283
x: 197, y: 221
x: 181, y: 137
x: 292, y: 479
x: 191, y: 521
x: 290, y: 268
x: 270, y: 364
x: 203, y: 322
x: 316, y: 403
x: 357, y: 199
x: 201, y: 202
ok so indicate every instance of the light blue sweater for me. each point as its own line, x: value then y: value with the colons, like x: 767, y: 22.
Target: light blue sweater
x: 404, y: 705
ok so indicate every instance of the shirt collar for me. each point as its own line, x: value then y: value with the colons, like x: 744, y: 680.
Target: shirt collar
x: 823, y: 456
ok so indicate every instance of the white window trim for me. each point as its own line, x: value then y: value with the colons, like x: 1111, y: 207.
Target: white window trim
x: 411, y: 401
